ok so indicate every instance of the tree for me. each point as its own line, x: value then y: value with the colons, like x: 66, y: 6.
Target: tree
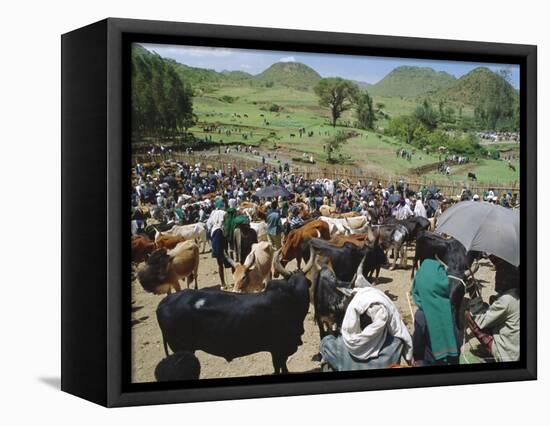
x: 162, y: 104
x: 365, y: 111
x: 335, y: 143
x: 337, y: 94
x: 404, y: 127
x: 426, y: 115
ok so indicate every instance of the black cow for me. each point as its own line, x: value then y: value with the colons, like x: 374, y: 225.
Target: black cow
x: 331, y: 298
x: 472, y: 176
x: 243, y: 238
x: 448, y: 250
x: 178, y: 366
x: 414, y: 225
x: 345, y: 260
x: 231, y: 325
x: 455, y: 257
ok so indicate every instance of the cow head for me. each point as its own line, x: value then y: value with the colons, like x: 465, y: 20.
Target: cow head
x: 155, y: 271
x: 279, y: 268
x: 241, y: 273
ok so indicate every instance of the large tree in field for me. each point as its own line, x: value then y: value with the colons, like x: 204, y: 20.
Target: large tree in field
x: 337, y: 94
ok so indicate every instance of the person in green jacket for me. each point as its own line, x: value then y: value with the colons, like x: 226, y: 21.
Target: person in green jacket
x: 435, y: 338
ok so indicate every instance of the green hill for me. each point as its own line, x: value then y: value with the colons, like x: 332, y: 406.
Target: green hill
x: 407, y: 81
x: 293, y: 74
x: 236, y: 75
x: 476, y: 86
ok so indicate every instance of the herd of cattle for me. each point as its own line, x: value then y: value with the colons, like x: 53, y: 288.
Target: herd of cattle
x: 267, y: 306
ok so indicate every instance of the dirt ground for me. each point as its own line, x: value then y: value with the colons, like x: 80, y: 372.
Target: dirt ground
x: 147, y: 348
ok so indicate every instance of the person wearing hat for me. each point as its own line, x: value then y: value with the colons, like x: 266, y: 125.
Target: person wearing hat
x: 214, y: 226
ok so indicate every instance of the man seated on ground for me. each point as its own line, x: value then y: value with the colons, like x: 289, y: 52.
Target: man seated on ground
x: 373, y: 335
x: 496, y: 326
x: 435, y: 338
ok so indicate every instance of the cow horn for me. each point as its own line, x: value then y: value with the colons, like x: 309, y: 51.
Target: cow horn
x: 359, y: 272
x: 229, y: 260
x: 277, y: 265
x: 311, y: 261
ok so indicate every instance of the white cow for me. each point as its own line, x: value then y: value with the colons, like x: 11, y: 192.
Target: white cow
x: 261, y: 230
x: 346, y: 225
x: 194, y: 231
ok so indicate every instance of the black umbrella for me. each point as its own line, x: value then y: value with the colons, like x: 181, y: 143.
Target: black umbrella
x: 394, y: 198
x: 273, y: 191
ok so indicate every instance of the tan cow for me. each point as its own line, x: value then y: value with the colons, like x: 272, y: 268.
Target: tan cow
x: 251, y: 275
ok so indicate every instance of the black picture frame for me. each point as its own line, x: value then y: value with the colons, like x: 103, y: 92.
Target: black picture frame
x: 95, y: 173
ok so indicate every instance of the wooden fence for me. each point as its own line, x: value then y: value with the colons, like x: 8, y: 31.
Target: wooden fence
x: 353, y: 174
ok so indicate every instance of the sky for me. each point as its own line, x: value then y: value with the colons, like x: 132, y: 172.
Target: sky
x: 369, y: 69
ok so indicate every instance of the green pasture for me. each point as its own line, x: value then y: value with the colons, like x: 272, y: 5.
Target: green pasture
x: 368, y: 150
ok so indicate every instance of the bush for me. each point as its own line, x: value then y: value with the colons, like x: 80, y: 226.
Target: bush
x: 275, y: 108
x: 228, y: 99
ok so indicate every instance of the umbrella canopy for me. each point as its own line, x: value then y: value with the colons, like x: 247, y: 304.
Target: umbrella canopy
x: 394, y: 198
x: 273, y: 191
x: 483, y: 227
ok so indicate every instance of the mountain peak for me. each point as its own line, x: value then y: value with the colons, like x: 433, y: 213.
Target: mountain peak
x: 410, y: 81
x: 293, y: 74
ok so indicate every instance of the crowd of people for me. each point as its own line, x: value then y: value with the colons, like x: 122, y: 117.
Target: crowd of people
x: 189, y: 193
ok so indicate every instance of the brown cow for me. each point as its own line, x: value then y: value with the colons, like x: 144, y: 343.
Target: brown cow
x: 358, y: 239
x: 292, y: 246
x: 169, y: 241
x: 142, y: 247
x: 164, y: 269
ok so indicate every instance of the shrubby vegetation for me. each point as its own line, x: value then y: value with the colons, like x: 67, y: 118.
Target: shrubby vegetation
x: 426, y: 128
x: 162, y: 104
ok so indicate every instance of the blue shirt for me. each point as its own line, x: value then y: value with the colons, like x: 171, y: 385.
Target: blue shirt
x: 273, y: 220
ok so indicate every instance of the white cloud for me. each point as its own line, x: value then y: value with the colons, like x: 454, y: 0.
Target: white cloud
x: 288, y: 59
x: 245, y: 66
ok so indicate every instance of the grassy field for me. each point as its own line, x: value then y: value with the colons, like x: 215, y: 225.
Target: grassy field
x: 243, y: 110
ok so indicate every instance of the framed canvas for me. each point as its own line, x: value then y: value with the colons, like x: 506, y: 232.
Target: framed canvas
x: 274, y: 212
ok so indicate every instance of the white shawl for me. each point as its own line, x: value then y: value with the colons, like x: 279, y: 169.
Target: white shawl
x: 365, y: 344
x: 419, y: 209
